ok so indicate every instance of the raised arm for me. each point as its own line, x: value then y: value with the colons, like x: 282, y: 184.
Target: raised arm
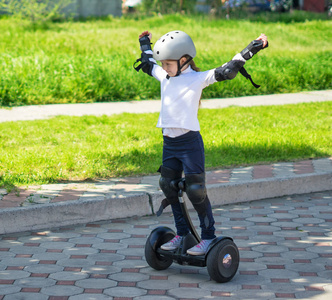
x: 146, y: 59
x: 230, y: 69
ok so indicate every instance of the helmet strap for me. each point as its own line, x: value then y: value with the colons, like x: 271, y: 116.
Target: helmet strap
x: 180, y: 67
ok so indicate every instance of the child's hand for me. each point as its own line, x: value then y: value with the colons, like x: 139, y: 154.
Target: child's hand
x: 263, y: 38
x: 149, y: 34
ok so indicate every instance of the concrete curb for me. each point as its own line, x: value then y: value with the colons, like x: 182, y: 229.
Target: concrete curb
x: 269, y: 188
x: 146, y: 203
x: 73, y: 212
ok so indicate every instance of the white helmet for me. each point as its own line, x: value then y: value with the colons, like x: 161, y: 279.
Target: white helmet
x: 173, y: 45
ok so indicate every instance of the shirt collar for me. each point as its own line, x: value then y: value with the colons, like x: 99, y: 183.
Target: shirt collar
x: 189, y: 69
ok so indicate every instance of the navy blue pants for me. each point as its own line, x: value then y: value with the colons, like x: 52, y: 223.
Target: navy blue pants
x: 186, y: 153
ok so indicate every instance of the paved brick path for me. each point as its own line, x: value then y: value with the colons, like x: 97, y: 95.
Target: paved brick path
x: 285, y: 249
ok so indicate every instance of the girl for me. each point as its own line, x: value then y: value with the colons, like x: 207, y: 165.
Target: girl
x: 183, y: 149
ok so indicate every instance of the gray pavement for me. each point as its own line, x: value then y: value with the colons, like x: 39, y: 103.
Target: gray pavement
x: 284, y: 243
x: 278, y: 214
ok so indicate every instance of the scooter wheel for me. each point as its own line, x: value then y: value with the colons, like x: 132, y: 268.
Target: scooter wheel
x: 223, y: 261
x: 153, y: 258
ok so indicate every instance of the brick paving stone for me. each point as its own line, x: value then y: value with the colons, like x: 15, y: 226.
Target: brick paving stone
x: 68, y: 195
x: 250, y: 254
x: 262, y: 171
x: 16, y: 198
x: 299, y: 254
x: 261, y: 219
x: 303, y: 167
x: 68, y: 275
x: 35, y: 282
x: 303, y: 267
x: 253, y: 294
x: 45, y: 270
x: 283, y: 170
x: 56, y: 244
x: 273, y: 262
x: 30, y: 290
x: 307, y: 221
x: 101, y: 270
x: 218, y: 176
x: 150, y: 297
x: 94, y: 283
x: 322, y: 165
x: 26, y: 296
x: 61, y: 290
x: 278, y: 273
x: 79, y: 251
x: 270, y: 248
x: 189, y: 293
x: 88, y: 296
x: 241, y: 174
x: 124, y: 292
x: 157, y: 284
x: 9, y: 203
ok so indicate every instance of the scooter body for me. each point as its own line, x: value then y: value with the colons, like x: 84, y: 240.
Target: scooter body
x: 221, y: 258
x: 180, y: 255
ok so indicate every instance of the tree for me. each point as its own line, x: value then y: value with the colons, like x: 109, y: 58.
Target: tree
x: 36, y: 11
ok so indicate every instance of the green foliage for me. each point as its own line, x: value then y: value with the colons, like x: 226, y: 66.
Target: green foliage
x: 35, y: 11
x: 91, y: 61
x: 167, y: 6
x: 89, y: 147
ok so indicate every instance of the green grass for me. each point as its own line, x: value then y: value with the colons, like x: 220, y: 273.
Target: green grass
x: 81, y: 148
x: 91, y: 61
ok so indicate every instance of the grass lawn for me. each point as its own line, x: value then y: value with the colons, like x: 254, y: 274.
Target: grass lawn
x: 80, y: 148
x: 91, y: 61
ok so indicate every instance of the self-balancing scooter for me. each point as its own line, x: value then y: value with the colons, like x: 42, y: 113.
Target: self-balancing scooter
x: 221, y: 259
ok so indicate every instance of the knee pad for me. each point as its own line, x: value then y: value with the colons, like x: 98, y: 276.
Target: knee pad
x: 195, y: 188
x: 167, y: 176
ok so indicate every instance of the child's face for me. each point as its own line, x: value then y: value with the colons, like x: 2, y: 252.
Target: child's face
x: 171, y: 66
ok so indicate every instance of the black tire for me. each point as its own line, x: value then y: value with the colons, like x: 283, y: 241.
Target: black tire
x: 155, y: 260
x: 223, y: 261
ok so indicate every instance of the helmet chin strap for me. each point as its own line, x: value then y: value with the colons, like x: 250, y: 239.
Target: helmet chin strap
x: 180, y: 67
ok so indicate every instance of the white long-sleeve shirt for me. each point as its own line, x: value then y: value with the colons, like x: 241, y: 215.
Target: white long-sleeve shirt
x: 180, y: 98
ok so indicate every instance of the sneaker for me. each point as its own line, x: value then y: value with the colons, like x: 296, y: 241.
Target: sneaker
x: 173, y: 244
x: 199, y: 249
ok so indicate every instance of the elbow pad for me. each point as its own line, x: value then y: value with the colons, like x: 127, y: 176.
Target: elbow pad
x: 252, y: 49
x: 229, y: 70
x: 146, y: 59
